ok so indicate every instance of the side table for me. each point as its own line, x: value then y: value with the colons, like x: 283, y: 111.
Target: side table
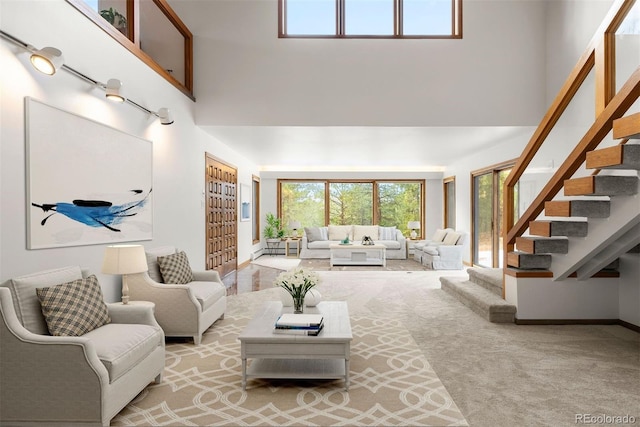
x: 295, y: 241
x: 272, y: 247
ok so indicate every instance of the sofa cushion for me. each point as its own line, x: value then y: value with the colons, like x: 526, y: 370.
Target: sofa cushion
x: 431, y: 250
x: 75, y: 308
x: 451, y: 238
x: 320, y: 244
x: 359, y: 231
x: 316, y: 234
x: 339, y: 232
x: 175, y: 268
x: 25, y: 300
x: 120, y: 347
x: 439, y: 235
x: 207, y: 293
x: 390, y: 244
x: 152, y: 260
x: 387, y: 233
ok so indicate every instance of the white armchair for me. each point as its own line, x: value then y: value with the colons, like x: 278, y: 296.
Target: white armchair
x: 445, y: 254
x: 72, y: 380
x: 182, y: 310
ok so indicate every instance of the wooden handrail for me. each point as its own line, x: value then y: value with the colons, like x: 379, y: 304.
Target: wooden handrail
x: 599, y: 53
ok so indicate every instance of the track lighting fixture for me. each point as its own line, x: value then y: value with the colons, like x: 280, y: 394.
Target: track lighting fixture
x: 47, y: 60
x: 165, y: 116
x: 113, y: 90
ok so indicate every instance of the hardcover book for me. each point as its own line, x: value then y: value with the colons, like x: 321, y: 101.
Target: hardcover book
x: 290, y: 319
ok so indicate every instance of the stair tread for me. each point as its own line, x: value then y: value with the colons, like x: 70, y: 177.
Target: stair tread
x: 601, y: 185
x: 482, y: 301
x: 617, y: 157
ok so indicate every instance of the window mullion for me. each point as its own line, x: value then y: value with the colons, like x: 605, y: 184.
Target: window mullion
x: 340, y: 11
x: 399, y: 17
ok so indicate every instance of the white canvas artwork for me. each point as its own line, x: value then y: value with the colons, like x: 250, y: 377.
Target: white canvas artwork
x: 87, y: 183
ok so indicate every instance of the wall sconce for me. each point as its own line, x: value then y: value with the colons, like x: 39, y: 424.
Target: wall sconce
x: 113, y: 90
x: 47, y: 60
x: 413, y: 226
x: 125, y: 260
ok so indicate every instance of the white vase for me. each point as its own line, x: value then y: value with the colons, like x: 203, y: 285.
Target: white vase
x: 312, y: 298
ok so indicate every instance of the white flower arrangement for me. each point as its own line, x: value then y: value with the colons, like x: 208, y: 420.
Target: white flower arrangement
x: 297, y: 282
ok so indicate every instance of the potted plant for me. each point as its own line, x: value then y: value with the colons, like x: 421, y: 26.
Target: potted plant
x: 115, y: 18
x: 273, y: 231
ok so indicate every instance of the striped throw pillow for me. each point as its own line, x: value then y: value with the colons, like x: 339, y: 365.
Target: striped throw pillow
x: 175, y: 268
x: 74, y: 308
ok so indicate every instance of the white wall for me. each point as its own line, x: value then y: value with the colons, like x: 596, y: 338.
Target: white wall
x: 178, y: 150
x: 248, y: 76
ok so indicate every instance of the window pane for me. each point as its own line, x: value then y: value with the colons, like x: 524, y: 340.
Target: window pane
x: 304, y: 202
x: 351, y: 203
x: 399, y: 203
x: 311, y: 17
x: 450, y: 201
x: 482, y: 218
x: 427, y: 17
x: 369, y: 17
x: 161, y: 40
x: 113, y: 11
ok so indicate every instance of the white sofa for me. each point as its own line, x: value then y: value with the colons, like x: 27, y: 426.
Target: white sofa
x: 72, y: 380
x: 316, y: 240
x: 444, y: 251
x: 182, y: 310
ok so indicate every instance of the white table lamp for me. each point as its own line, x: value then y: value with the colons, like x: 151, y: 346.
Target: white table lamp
x: 124, y: 259
x: 413, y: 226
x: 295, y: 226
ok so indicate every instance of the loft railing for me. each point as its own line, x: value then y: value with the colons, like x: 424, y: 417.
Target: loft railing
x: 600, y: 53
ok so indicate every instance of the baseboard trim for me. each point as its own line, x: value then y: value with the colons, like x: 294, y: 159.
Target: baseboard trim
x: 244, y: 264
x: 578, y: 322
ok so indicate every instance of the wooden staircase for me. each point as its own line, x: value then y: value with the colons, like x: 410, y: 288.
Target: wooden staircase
x: 570, y: 220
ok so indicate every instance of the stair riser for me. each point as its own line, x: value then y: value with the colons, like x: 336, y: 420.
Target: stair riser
x: 601, y: 185
x: 617, y: 157
x: 627, y: 127
x: 494, y: 309
x: 578, y: 208
x: 542, y: 246
x: 529, y: 261
x: 559, y: 228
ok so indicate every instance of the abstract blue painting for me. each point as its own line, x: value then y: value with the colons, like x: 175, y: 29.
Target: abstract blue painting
x: 88, y: 183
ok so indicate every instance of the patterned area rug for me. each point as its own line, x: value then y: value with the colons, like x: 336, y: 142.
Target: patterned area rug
x: 392, y: 383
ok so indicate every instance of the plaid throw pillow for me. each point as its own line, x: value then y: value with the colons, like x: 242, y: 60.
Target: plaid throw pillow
x: 175, y: 268
x: 74, y: 308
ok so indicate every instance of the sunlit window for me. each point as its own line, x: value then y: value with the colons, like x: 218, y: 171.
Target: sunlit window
x: 371, y: 18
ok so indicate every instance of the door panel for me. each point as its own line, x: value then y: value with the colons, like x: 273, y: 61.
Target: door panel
x: 221, y: 226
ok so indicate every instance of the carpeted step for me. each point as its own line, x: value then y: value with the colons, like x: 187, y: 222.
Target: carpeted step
x: 559, y: 228
x: 634, y: 250
x: 616, y: 157
x: 580, y: 208
x: 480, y: 300
x: 526, y: 261
x: 489, y: 278
x: 542, y: 245
x: 601, y: 185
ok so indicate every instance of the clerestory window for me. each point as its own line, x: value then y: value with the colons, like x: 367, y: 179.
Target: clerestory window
x: 370, y: 18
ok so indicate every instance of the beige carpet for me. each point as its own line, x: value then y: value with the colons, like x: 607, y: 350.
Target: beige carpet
x: 277, y: 262
x: 391, y: 381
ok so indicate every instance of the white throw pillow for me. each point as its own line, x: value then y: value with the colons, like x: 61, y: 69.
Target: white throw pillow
x: 388, y: 233
x: 339, y: 232
x: 451, y: 239
x: 359, y: 231
x: 439, y: 235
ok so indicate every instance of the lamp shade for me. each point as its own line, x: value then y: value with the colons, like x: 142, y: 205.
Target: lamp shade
x: 295, y: 225
x: 124, y: 259
x: 166, y: 118
x: 113, y: 90
x: 413, y: 225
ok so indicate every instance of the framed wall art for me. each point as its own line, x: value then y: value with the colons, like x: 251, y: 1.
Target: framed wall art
x: 87, y: 183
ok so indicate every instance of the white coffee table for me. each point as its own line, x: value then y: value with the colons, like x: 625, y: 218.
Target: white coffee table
x: 357, y: 254
x: 325, y: 356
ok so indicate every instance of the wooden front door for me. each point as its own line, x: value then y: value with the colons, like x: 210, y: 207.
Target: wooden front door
x: 221, y: 216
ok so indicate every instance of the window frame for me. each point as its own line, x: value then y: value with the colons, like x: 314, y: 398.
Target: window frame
x: 374, y: 182
x: 456, y: 24
x: 449, y: 204
x: 132, y: 41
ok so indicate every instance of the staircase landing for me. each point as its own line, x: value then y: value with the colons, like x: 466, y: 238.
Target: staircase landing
x: 482, y: 293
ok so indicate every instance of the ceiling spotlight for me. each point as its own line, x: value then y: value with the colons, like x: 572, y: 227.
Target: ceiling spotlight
x: 113, y: 90
x: 47, y: 60
x: 166, y: 118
